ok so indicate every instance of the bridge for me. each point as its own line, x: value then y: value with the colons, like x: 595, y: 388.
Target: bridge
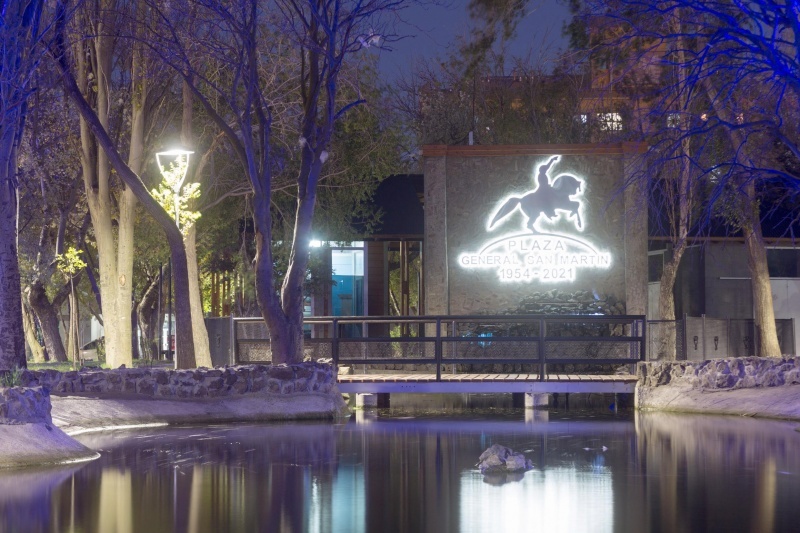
x: 487, y: 383
x: 478, y: 354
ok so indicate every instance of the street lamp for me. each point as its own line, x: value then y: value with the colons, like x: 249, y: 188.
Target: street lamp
x: 174, y: 174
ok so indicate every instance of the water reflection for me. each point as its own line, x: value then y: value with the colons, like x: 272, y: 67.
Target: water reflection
x: 413, y: 469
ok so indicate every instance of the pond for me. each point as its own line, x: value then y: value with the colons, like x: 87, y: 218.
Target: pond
x: 412, y: 468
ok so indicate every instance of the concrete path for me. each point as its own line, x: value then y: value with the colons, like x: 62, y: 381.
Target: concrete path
x: 25, y: 445
x: 78, y: 414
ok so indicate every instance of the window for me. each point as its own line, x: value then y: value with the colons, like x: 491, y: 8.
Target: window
x: 610, y: 121
x: 783, y: 262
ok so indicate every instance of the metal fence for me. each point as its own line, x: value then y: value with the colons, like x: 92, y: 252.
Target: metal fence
x: 448, y: 341
x: 498, y: 339
x: 701, y: 338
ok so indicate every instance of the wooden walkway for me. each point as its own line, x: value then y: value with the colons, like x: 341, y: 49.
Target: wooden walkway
x: 486, y: 383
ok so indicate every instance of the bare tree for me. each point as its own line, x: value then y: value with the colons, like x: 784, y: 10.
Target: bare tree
x: 219, y: 51
x: 742, y: 57
x: 20, y: 35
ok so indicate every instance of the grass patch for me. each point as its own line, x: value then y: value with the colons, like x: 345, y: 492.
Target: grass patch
x: 64, y: 366
x: 11, y: 378
x: 67, y: 366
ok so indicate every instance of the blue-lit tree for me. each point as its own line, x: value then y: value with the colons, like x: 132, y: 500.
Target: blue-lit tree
x: 742, y: 58
x: 20, y: 39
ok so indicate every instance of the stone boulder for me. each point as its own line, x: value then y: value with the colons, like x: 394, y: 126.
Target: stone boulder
x: 501, y: 460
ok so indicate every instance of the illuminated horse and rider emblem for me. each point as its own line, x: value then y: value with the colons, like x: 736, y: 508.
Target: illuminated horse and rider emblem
x: 545, y: 199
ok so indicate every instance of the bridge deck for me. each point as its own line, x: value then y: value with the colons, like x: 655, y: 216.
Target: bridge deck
x: 486, y: 383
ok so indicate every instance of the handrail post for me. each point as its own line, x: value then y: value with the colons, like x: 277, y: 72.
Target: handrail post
x: 335, y: 345
x: 437, y: 349
x: 542, y: 333
x: 643, y: 342
x: 233, y: 355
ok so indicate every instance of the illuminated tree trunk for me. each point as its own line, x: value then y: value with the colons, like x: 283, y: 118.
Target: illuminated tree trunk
x: 29, y: 327
x: 202, y: 351
x: 46, y: 312
x: 766, y: 340
x: 73, y: 335
x: 95, y: 134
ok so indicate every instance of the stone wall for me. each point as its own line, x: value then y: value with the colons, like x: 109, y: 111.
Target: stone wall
x: 21, y: 405
x: 722, y: 374
x: 197, y: 383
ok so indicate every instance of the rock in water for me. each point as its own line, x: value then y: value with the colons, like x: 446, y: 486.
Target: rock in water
x: 500, y: 460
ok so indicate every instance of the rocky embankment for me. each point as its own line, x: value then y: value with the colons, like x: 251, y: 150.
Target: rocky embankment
x: 748, y: 386
x: 99, y: 399
x: 28, y: 435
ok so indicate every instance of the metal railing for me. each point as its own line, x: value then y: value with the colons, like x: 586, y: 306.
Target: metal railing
x: 701, y: 338
x: 447, y: 341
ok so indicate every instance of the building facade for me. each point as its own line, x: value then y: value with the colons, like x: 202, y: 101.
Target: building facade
x: 503, y: 222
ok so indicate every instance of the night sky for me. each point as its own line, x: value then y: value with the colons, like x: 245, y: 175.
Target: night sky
x: 433, y: 31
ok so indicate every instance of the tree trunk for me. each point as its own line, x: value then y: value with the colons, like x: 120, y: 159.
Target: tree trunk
x: 763, y: 308
x: 202, y: 351
x: 766, y: 341
x: 147, y: 314
x: 20, y: 31
x: 667, y: 341
x: 29, y: 327
x: 285, y: 346
x: 12, y: 337
x: 73, y: 343
x: 47, y: 314
x: 135, y: 337
x: 680, y: 192
x: 183, y: 321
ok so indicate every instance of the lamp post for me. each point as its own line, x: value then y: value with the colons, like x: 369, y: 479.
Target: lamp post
x: 174, y: 175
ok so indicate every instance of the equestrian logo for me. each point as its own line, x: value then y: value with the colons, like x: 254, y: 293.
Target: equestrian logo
x: 546, y: 251
x: 546, y: 199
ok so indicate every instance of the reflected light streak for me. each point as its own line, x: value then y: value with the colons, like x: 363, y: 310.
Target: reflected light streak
x: 557, y: 500
x: 343, y: 508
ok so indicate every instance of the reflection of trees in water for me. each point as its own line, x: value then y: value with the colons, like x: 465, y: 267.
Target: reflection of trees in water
x: 219, y: 479
x: 670, y: 472
x: 691, y: 460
